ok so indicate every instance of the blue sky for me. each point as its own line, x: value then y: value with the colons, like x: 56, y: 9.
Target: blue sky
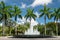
x: 35, y: 4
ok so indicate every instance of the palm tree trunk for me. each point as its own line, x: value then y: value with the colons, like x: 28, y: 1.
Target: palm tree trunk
x: 16, y: 30
x: 4, y: 24
x: 56, y: 28
x: 45, y: 23
x: 3, y: 31
x: 15, y: 25
x: 52, y: 33
x: 9, y: 31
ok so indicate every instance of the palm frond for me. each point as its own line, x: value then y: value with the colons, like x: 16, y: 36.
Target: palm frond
x: 41, y: 14
x: 20, y: 16
x: 41, y: 10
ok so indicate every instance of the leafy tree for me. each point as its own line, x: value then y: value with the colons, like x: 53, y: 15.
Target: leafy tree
x: 4, y: 13
x: 39, y: 28
x: 22, y: 28
x: 30, y: 14
x: 16, y: 14
x: 10, y: 23
x: 56, y: 16
x: 0, y: 30
x: 51, y: 28
x: 27, y: 24
x: 46, y: 13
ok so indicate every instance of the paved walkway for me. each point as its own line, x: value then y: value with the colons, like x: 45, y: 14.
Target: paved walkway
x: 7, y: 38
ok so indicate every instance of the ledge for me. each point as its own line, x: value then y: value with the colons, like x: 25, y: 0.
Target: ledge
x: 32, y: 36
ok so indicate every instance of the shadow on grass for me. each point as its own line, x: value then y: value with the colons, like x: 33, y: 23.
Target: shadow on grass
x: 32, y: 36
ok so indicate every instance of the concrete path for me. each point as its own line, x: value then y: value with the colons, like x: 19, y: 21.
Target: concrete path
x: 7, y: 38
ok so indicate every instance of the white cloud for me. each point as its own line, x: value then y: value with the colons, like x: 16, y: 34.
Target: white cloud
x: 23, y: 20
x: 23, y: 5
x: 40, y: 2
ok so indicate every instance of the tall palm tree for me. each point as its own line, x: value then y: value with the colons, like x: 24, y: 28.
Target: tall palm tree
x: 46, y: 13
x: 56, y: 16
x: 30, y: 14
x: 16, y: 14
x: 5, y: 14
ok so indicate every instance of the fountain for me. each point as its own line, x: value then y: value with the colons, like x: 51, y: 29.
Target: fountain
x: 30, y: 31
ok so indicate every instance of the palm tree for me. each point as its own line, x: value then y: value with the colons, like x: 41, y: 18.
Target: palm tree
x: 51, y: 28
x: 9, y: 24
x: 0, y: 17
x: 56, y: 16
x: 30, y: 14
x: 27, y: 24
x: 45, y: 13
x: 16, y: 14
x: 5, y: 14
x: 40, y: 28
x: 23, y: 27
